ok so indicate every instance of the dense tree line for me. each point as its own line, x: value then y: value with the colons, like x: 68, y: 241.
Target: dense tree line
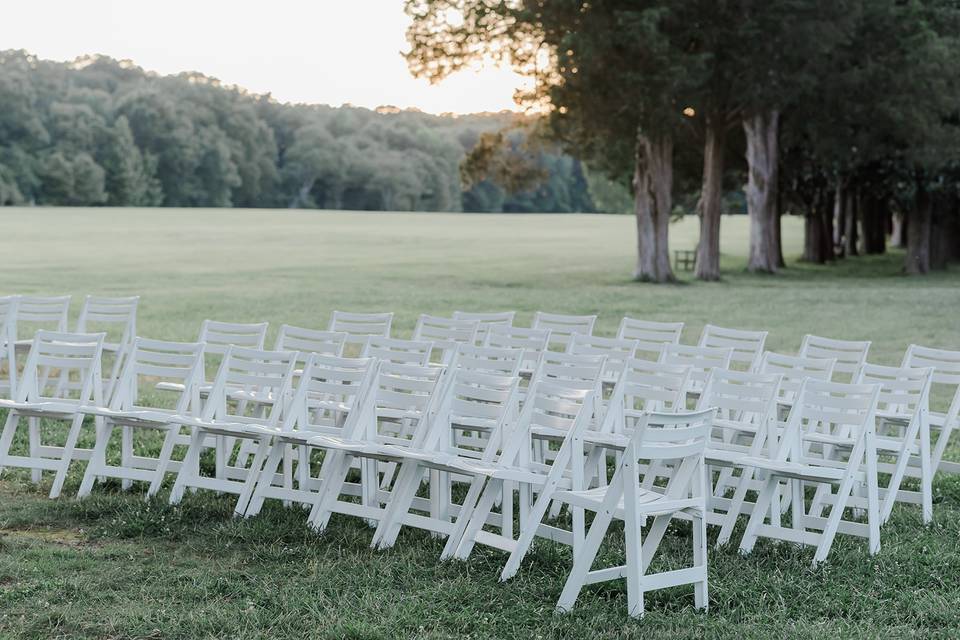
x: 845, y: 111
x: 99, y: 131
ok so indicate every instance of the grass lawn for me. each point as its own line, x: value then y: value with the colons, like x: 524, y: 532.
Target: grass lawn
x: 115, y: 566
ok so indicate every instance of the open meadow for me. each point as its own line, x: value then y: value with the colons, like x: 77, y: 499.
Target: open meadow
x: 115, y: 566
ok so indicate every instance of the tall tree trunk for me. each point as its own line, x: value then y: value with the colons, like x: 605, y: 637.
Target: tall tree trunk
x: 711, y: 197
x: 653, y: 185
x: 918, y: 231
x: 826, y: 218
x: 761, y: 133
x: 940, y: 231
x: 873, y: 220
x: 850, y: 224
x: 817, y: 240
x: 898, y: 237
x: 839, y: 213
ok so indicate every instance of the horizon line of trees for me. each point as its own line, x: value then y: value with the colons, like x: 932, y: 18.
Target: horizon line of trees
x: 103, y: 132
x: 844, y: 111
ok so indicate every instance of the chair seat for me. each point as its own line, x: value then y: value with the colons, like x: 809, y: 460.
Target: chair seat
x: 649, y: 502
x: 362, y: 448
x: 49, y: 408
x: 724, y: 456
x: 796, y: 470
x: 147, y: 416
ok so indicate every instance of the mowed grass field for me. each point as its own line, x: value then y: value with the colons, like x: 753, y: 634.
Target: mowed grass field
x: 116, y: 566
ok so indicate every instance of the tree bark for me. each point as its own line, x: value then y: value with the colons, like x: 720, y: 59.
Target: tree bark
x: 653, y: 185
x: 839, y: 213
x: 850, y: 224
x: 818, y: 234
x: 761, y: 133
x: 918, y: 231
x: 941, y: 232
x: 711, y: 197
x: 898, y: 236
x: 873, y: 220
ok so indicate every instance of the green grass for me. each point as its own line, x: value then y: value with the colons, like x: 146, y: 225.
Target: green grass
x: 114, y: 566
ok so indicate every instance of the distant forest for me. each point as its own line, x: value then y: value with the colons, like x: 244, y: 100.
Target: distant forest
x: 99, y: 131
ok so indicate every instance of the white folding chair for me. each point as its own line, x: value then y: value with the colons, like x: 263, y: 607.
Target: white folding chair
x: 445, y: 334
x: 490, y: 360
x: 133, y: 411
x: 829, y: 442
x: 849, y: 354
x: 533, y: 343
x: 676, y: 440
x: 946, y: 385
x: 227, y: 417
x: 327, y: 396
x: 75, y: 357
x: 117, y: 318
x: 477, y: 402
x: 747, y: 345
x: 650, y: 336
x: 903, y: 431
x: 746, y: 407
x: 553, y: 410
x: 8, y: 339
x: 360, y: 326
x: 563, y: 327
x: 34, y: 313
x: 396, y: 414
x: 398, y: 351
x: 486, y: 319
x: 701, y: 361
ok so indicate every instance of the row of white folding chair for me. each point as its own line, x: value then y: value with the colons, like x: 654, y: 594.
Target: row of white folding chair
x: 77, y: 360
x: 946, y: 384
x: 19, y: 314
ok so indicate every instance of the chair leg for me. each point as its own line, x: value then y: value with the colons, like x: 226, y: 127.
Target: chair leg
x: 584, y: 560
x: 265, y: 479
x: 330, y: 491
x: 253, y: 472
x: 833, y: 521
x: 98, y: 460
x: 527, y: 534
x: 404, y: 491
x: 126, y: 454
x: 736, y: 506
x: 163, y: 461
x: 6, y: 437
x: 189, y: 468
x: 479, y: 517
x: 700, y: 595
x: 67, y: 457
x: 765, y: 503
x: 33, y: 428
x: 464, y: 517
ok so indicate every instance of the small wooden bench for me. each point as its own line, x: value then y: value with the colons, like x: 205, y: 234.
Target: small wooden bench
x: 685, y: 259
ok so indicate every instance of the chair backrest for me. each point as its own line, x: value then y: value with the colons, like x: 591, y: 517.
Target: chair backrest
x: 151, y: 361
x: 360, y: 326
x: 403, y: 400
x: 218, y: 337
x: 100, y: 313
x: 904, y: 391
x: 563, y: 327
x: 486, y: 319
x: 8, y: 337
x: 398, y: 351
x: 747, y: 399
x: 680, y: 436
x: 309, y: 341
x: 75, y: 357
x: 849, y: 354
x: 550, y: 409
x: 650, y: 336
x: 701, y: 360
x: 616, y: 350
x: 646, y: 386
x: 42, y: 312
x: 246, y: 374
x: 446, y: 334
x: 330, y: 390
x: 747, y: 345
x: 478, y: 403
x: 533, y: 342
x: 578, y: 372
x: 489, y: 360
x: 830, y: 409
x: 946, y: 376
x: 794, y: 370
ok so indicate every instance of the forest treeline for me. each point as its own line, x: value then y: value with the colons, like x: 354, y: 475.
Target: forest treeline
x: 98, y: 131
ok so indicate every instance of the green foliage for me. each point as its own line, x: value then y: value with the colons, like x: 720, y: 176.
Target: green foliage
x: 102, y: 132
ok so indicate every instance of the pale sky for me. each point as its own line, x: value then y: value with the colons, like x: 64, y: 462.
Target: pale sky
x: 319, y: 51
